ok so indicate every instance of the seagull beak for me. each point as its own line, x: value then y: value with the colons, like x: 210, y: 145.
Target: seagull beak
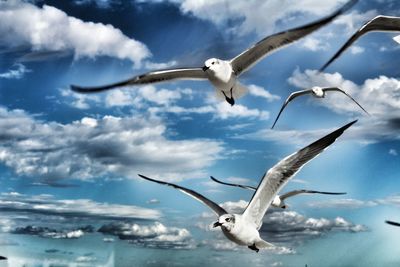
x: 216, y: 224
x: 205, y: 68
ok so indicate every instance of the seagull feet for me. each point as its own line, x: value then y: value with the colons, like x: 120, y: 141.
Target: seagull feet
x: 253, y: 247
x: 230, y: 99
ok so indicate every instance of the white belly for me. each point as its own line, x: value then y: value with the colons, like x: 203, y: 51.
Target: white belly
x: 242, y: 234
x: 223, y: 82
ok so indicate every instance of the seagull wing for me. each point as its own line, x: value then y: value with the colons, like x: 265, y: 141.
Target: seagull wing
x: 3, y: 258
x: 150, y: 77
x: 393, y: 223
x: 303, y: 191
x: 341, y: 91
x: 379, y: 23
x: 271, y: 43
x: 211, y: 204
x: 237, y: 185
x: 279, y: 175
x: 290, y: 98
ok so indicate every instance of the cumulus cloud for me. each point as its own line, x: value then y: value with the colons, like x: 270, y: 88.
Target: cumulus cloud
x: 51, y: 29
x: 292, y: 227
x: 53, y: 233
x: 17, y: 72
x: 349, y: 203
x: 393, y: 152
x: 92, y: 148
x: 357, y: 50
x: 155, y: 235
x: 261, y: 92
x: 355, y: 19
x: 46, y: 204
x: 250, y: 16
x: 314, y: 44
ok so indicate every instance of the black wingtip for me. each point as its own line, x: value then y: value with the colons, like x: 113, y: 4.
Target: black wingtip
x: 78, y: 89
x: 392, y: 223
x: 3, y: 258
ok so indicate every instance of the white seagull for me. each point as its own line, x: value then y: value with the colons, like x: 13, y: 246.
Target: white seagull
x: 223, y: 74
x: 392, y: 223
x: 318, y: 92
x: 279, y: 200
x: 243, y: 228
x: 378, y: 24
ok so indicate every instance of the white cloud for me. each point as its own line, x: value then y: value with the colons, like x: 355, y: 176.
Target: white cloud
x: 393, y: 200
x: 314, y: 44
x: 154, y: 235
x: 355, y: 19
x: 17, y: 73
x: 355, y: 50
x: 44, y: 204
x: 51, y: 29
x: 251, y: 15
x: 393, y: 152
x: 261, y: 92
x: 91, y: 148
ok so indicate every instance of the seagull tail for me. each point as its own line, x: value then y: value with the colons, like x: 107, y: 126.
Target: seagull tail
x: 239, y: 90
x: 263, y: 244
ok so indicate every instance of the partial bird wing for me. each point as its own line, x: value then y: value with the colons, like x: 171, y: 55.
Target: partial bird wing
x: 397, y: 39
x: 349, y: 96
x: 271, y: 43
x: 279, y: 175
x: 290, y: 98
x: 392, y: 223
x: 379, y: 23
x: 3, y: 258
x: 237, y: 185
x: 303, y: 191
x: 150, y: 77
x: 214, y: 206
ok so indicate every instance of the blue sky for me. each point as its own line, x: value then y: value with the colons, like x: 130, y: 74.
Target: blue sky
x: 70, y: 160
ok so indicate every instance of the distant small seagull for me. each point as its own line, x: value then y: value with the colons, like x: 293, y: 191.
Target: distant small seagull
x: 243, y: 228
x: 224, y: 74
x: 316, y: 92
x: 393, y: 223
x: 3, y: 258
x: 279, y: 201
x: 378, y: 24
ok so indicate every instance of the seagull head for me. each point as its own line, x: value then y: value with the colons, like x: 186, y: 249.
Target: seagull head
x: 211, y: 64
x: 318, y: 92
x: 226, y: 221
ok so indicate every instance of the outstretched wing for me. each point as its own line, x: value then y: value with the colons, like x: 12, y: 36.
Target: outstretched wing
x: 304, y: 191
x: 236, y: 185
x: 379, y: 23
x: 343, y: 92
x: 211, y: 204
x: 271, y: 43
x: 393, y: 223
x: 279, y: 175
x: 150, y: 77
x: 290, y: 98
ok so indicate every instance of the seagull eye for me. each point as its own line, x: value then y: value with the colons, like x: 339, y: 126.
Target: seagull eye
x: 212, y: 63
x: 228, y: 219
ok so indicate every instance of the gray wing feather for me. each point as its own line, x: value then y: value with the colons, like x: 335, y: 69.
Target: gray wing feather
x: 304, y: 191
x: 214, y: 206
x: 379, y: 23
x: 289, y: 99
x: 343, y: 92
x: 236, y: 185
x: 271, y: 43
x: 147, y: 78
x: 279, y: 175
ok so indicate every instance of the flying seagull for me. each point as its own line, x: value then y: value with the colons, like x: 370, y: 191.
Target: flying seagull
x: 378, y: 24
x: 316, y: 92
x: 243, y: 228
x: 279, y: 200
x: 393, y: 223
x: 223, y: 74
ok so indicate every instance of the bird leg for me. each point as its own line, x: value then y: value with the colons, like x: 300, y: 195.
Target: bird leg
x: 230, y: 100
x: 253, y: 247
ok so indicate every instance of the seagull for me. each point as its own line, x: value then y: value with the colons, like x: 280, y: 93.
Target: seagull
x: 318, y: 92
x: 393, y: 223
x: 279, y: 201
x: 224, y: 74
x: 378, y: 24
x: 243, y: 229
